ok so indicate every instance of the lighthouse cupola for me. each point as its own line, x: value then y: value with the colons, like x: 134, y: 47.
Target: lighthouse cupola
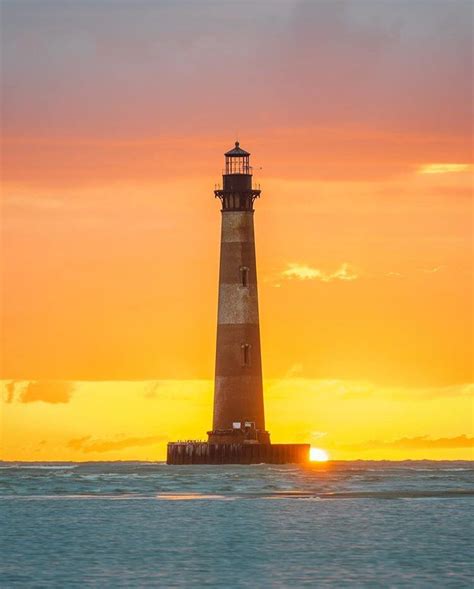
x: 237, y: 161
x: 237, y: 193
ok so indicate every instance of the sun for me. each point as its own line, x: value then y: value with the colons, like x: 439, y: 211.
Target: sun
x: 318, y: 455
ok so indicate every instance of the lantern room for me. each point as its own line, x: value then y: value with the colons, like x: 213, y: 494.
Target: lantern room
x: 237, y: 192
x: 237, y: 161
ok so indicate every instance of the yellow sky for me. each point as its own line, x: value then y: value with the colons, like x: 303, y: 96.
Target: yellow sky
x: 134, y: 420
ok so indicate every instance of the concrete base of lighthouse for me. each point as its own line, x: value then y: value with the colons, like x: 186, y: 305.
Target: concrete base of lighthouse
x: 236, y: 453
x: 245, y: 445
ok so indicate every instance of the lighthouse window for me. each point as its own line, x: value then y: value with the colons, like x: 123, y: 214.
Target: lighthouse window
x: 245, y: 354
x: 244, y: 276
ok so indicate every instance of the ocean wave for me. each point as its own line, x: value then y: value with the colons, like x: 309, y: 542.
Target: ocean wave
x: 118, y: 495
x: 194, y: 497
x: 39, y: 467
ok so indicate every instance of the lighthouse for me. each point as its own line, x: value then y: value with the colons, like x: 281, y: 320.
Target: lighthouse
x: 238, y: 434
x: 238, y: 389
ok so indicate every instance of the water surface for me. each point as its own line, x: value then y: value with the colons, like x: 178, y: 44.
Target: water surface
x: 346, y: 524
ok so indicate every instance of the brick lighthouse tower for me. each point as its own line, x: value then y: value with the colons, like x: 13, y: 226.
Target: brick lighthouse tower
x: 238, y: 395
x: 238, y: 434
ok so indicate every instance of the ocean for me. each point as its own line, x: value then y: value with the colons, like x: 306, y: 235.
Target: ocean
x: 140, y: 524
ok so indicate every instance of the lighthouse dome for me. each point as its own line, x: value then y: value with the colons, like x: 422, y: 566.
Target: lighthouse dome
x: 237, y: 151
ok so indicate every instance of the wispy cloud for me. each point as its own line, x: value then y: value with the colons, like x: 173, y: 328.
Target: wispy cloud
x: 393, y: 274
x: 318, y: 435
x: 430, y: 393
x: 443, y: 168
x: 341, y: 389
x: 294, y: 370
x: 39, y: 390
x: 10, y: 391
x: 431, y: 270
x: 88, y: 444
x: 416, y: 443
x: 345, y: 272
x: 171, y: 389
x: 152, y: 390
x: 305, y: 272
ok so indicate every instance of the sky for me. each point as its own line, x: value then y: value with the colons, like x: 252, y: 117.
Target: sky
x: 115, y: 116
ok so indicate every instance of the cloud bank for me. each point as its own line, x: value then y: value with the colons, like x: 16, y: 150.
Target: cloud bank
x: 88, y: 444
x: 416, y: 443
x: 54, y: 392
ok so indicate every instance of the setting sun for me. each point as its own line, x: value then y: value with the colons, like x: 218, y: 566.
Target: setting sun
x: 318, y: 455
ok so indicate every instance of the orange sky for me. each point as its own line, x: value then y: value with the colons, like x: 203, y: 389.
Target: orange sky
x: 114, y: 120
